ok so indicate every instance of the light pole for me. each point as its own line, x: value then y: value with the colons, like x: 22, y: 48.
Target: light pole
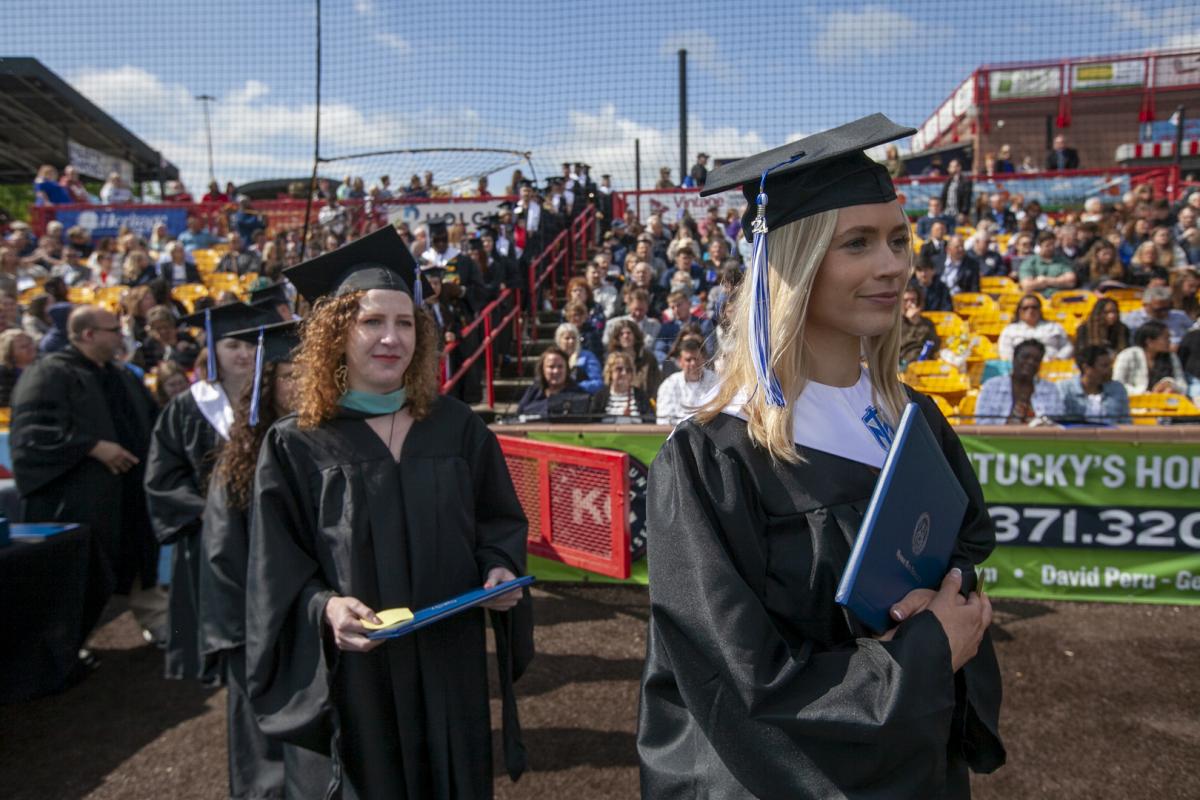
x: 205, y: 99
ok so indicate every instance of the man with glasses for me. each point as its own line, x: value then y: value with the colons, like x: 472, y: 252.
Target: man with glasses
x: 1156, y: 305
x: 1030, y: 324
x: 81, y: 426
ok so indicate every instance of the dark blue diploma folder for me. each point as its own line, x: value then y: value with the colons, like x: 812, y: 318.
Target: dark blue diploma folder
x: 448, y: 608
x: 910, y: 527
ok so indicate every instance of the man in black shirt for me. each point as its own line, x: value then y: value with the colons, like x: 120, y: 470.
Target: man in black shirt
x: 699, y: 171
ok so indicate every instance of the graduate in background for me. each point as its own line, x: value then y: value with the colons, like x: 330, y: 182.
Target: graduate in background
x: 182, y: 454
x: 258, y: 765
x: 756, y: 683
x: 379, y: 494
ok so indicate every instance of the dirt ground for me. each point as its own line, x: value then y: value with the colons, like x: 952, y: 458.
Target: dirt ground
x: 1101, y: 701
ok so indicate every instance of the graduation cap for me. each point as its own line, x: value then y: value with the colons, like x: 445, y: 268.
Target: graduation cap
x: 485, y: 230
x: 270, y: 296
x: 437, y: 228
x: 475, y: 244
x: 379, y: 260
x: 221, y: 321
x: 275, y: 342
x: 506, y: 205
x: 821, y: 172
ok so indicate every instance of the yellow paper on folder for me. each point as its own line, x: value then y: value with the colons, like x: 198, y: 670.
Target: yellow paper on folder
x: 389, y: 618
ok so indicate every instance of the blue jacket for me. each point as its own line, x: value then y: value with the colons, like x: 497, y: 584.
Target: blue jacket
x: 1114, y: 403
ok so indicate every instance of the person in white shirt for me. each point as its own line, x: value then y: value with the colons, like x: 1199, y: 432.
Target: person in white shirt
x: 1030, y: 325
x: 115, y: 191
x: 440, y: 252
x: 686, y: 390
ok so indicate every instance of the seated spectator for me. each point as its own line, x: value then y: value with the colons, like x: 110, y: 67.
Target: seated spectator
x: 175, y: 267
x: 1189, y: 354
x: 1093, y: 395
x: 933, y: 215
x: 17, y: 351
x: 628, y: 338
x: 1144, y: 267
x: 1185, y: 283
x: 683, y: 392
x: 170, y: 379
x: 717, y: 259
x: 1022, y: 397
x: 246, y: 220
x: 1030, y: 324
x: 684, y: 263
x: 637, y: 303
x: 983, y: 259
x: 1102, y: 267
x: 196, y: 236
x: 553, y: 395
x: 934, y: 249
x: 237, y: 259
x: 1103, y: 327
x: 937, y: 296
x: 36, y: 321
x: 894, y: 164
x: 678, y: 315
x: 1156, y: 305
x: 71, y: 181
x: 114, y: 191
x: 56, y: 338
x: 1149, y: 366
x: 214, y: 194
x: 1020, y: 247
x: 1133, y: 235
x: 1061, y: 157
x: 619, y: 401
x: 161, y: 339
x: 959, y: 274
x: 919, y: 340
x: 49, y: 253
x: 591, y: 334
x: 1044, y: 273
x: 1170, y: 254
x: 583, y: 366
x: 135, y: 269
x: 74, y: 271
x: 46, y: 189
x: 998, y: 213
x: 1032, y: 211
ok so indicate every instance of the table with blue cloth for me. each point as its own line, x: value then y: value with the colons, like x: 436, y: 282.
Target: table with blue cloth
x: 53, y: 587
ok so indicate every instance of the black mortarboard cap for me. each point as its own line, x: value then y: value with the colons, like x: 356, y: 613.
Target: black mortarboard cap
x: 279, y: 339
x: 527, y: 182
x: 506, y: 205
x: 379, y: 260
x: 486, y: 230
x: 228, y: 318
x: 437, y: 227
x: 818, y: 173
x: 269, y: 296
x: 474, y: 244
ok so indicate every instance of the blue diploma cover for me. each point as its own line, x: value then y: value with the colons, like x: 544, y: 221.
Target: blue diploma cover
x: 448, y: 608
x: 909, y: 530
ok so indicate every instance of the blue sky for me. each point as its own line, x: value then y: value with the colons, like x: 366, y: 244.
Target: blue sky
x: 562, y: 79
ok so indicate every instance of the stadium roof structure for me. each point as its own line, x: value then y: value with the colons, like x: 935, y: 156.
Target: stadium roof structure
x: 40, y: 112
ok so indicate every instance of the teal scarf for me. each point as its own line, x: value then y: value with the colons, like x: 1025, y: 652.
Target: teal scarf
x: 374, y: 405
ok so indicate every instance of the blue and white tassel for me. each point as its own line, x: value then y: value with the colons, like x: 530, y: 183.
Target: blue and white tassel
x: 760, y: 306
x: 256, y: 394
x: 210, y: 345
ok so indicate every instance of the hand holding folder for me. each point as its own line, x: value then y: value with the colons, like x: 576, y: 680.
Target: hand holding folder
x: 448, y: 608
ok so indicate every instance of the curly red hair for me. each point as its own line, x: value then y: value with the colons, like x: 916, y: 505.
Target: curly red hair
x: 322, y: 352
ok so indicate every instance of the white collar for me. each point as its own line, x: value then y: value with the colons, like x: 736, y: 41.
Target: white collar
x: 214, y: 405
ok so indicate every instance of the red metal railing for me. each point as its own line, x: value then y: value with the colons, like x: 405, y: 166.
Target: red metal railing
x: 484, y: 350
x: 558, y: 259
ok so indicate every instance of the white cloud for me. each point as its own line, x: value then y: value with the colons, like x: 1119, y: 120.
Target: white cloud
x: 390, y: 40
x: 704, y: 54
x: 364, y: 8
x: 873, y: 30
x: 1183, y: 41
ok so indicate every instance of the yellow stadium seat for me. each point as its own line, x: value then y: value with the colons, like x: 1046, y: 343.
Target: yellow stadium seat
x: 1078, y: 301
x: 1147, y: 409
x: 1002, y: 240
x: 919, y: 370
x: 110, y: 297
x: 189, y: 293
x: 965, y: 231
x: 968, y: 304
x: 206, y: 260
x: 990, y: 326
x: 5, y: 417
x: 966, y: 408
x: 1059, y: 369
x: 947, y: 323
x: 951, y: 387
x: 997, y: 284
x: 81, y: 295
x: 1127, y: 293
x: 28, y: 294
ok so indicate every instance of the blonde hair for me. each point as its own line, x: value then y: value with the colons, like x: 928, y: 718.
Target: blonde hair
x: 573, y: 355
x: 796, y: 252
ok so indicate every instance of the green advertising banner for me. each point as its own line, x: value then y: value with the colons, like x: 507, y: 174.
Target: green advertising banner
x: 1075, y: 519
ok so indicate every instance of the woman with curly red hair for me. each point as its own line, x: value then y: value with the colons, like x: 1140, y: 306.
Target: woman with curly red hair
x: 380, y: 493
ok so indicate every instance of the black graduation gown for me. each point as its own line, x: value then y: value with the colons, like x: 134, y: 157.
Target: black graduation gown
x: 259, y: 766
x: 756, y: 683
x: 334, y: 514
x: 182, y: 454
x: 60, y: 411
